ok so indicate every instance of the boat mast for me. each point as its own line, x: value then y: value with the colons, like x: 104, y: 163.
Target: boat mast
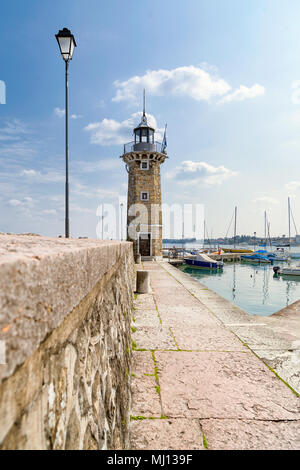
x: 235, y: 213
x: 266, y: 228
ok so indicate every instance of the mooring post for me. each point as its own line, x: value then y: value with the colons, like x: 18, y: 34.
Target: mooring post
x: 143, y: 282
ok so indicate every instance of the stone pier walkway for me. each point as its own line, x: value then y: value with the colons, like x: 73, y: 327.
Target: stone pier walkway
x: 195, y: 384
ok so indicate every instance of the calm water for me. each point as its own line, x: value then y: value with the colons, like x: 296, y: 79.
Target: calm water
x: 251, y: 287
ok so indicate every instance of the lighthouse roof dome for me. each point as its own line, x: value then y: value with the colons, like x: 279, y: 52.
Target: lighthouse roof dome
x: 144, y: 123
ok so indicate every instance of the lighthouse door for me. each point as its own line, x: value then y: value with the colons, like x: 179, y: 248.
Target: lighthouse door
x: 145, y: 244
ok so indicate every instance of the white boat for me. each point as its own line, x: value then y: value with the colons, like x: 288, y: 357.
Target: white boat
x: 290, y: 271
x: 203, y: 261
x: 279, y: 255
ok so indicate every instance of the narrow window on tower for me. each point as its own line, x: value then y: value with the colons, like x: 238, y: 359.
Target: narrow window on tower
x: 144, y: 165
x: 144, y: 196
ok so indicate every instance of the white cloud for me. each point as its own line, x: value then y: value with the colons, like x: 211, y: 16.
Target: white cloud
x: 295, y: 98
x: 29, y: 173
x: 59, y: 112
x: 50, y: 177
x: 190, y: 81
x: 244, y: 93
x: 89, y: 192
x: 25, y: 202
x: 15, y: 127
x: 105, y: 164
x: 265, y: 200
x: 200, y: 84
x: 49, y: 212
x: 293, y: 185
x: 200, y: 173
x: 112, y: 132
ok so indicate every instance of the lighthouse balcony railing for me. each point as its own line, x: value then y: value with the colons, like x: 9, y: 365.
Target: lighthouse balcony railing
x: 143, y: 146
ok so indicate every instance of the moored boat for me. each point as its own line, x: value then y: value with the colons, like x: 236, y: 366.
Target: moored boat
x: 203, y: 261
x: 256, y: 257
x: 290, y: 271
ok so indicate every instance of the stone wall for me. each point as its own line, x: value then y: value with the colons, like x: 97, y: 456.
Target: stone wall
x: 65, y: 314
x: 146, y: 180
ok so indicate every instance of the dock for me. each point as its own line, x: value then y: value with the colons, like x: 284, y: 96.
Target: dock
x: 207, y: 375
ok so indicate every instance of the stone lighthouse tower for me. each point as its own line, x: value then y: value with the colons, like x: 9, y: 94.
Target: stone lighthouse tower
x: 143, y: 158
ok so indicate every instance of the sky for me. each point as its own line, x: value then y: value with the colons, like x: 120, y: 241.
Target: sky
x: 223, y: 75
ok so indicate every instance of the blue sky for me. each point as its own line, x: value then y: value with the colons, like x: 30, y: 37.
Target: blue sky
x: 224, y: 75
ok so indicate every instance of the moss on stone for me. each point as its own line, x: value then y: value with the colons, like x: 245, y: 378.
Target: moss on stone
x: 205, y: 442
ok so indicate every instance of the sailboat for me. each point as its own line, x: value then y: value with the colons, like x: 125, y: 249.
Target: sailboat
x: 234, y: 249
x: 288, y: 244
x: 279, y: 254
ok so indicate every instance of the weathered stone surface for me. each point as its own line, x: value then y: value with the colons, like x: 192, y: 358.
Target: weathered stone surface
x: 262, y: 337
x: 157, y: 337
x: 145, y: 301
x: 182, y: 316
x: 286, y: 363
x: 145, y: 399
x: 208, y: 337
x: 223, y: 392
x: 140, y: 180
x: 42, y: 280
x: 142, y: 282
x: 222, y: 385
x: 146, y: 318
x: 166, y: 434
x: 229, y: 434
x: 275, y: 339
x: 73, y: 392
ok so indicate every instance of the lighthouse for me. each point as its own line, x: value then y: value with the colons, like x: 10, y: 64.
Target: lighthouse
x: 143, y: 158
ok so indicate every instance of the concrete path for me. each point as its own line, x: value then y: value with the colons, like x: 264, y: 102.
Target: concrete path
x: 195, y: 384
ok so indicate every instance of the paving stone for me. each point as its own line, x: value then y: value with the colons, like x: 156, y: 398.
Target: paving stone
x: 209, y: 337
x: 222, y: 385
x: 145, y: 399
x: 145, y: 301
x: 146, y: 318
x: 225, y: 390
x: 187, y: 316
x: 262, y: 337
x: 227, y: 434
x: 285, y: 363
x: 148, y: 337
x: 170, y: 297
x: 166, y: 434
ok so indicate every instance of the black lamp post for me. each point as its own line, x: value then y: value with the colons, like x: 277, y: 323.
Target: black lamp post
x: 67, y: 44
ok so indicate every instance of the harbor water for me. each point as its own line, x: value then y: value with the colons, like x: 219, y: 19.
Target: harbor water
x: 252, y: 287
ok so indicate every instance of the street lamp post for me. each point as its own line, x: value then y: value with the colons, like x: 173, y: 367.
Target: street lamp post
x: 67, y: 44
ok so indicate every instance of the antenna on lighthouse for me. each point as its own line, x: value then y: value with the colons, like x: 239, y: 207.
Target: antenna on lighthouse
x: 144, y: 103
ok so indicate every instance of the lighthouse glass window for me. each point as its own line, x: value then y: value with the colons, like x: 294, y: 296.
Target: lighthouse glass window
x: 144, y: 135
x: 144, y: 196
x: 144, y: 165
